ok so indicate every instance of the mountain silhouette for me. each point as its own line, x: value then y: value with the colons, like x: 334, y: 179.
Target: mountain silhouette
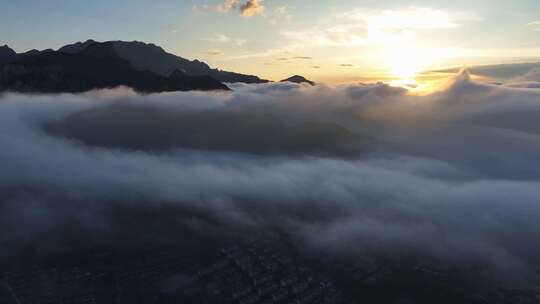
x: 298, y: 79
x: 149, y: 57
x: 35, y: 52
x: 7, y: 55
x: 93, y: 66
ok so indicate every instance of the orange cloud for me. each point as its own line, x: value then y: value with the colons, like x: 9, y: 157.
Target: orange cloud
x: 251, y: 8
x: 227, y: 6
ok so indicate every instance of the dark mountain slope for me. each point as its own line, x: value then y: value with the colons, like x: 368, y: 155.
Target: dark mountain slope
x: 35, y: 52
x: 298, y: 79
x: 7, y: 55
x: 96, y: 66
x: 149, y: 57
x: 76, y: 47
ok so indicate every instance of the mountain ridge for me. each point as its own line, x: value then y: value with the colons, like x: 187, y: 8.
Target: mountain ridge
x: 151, y: 57
x: 298, y: 79
x: 94, y: 67
x: 7, y: 54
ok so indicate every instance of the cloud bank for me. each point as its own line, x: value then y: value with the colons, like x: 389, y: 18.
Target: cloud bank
x: 453, y: 175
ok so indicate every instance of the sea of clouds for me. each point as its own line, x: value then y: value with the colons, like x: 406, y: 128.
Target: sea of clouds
x: 453, y: 175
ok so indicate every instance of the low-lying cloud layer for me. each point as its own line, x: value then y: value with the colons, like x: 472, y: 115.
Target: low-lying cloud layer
x: 453, y: 175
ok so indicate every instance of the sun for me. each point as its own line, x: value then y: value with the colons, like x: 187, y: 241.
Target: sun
x: 406, y: 63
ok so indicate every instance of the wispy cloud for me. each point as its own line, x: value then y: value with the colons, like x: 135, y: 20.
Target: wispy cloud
x: 227, y: 6
x: 221, y: 38
x: 280, y: 14
x: 214, y: 53
x: 297, y: 57
x: 362, y: 26
x: 358, y: 27
x: 412, y: 18
x: 303, y: 57
x: 281, y: 52
x: 341, y: 35
x: 535, y: 25
x: 247, y: 9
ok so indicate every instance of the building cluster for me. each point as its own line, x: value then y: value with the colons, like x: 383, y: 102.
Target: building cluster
x: 245, y: 273
x: 52, y: 285
x: 258, y: 274
x: 240, y: 274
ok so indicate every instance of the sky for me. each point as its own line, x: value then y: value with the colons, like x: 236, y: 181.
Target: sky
x: 331, y: 40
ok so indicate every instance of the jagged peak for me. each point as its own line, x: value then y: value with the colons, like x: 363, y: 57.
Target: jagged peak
x: 298, y: 79
x: 100, y: 49
x: 6, y: 47
x: 152, y: 57
x: 88, y: 41
x: 7, y: 51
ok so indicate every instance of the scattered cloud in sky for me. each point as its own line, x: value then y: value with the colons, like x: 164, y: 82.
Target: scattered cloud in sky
x: 413, y: 18
x: 363, y: 26
x: 340, y: 35
x: 214, y: 53
x: 347, y: 65
x: 227, y: 6
x: 303, y: 57
x: 246, y: 9
x: 285, y: 50
x: 252, y: 8
x: 535, y: 25
x: 281, y: 13
x: 368, y: 31
x: 221, y: 38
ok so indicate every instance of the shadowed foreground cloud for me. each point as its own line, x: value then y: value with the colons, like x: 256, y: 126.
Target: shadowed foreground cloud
x: 453, y: 175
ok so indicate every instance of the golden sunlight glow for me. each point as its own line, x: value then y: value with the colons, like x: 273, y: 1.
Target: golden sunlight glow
x: 411, y: 18
x: 408, y: 83
x: 419, y: 87
x: 406, y: 63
